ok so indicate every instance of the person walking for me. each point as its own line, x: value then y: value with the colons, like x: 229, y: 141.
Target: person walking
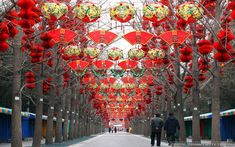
x: 110, y: 129
x: 115, y: 130
x: 171, y: 125
x: 156, y: 129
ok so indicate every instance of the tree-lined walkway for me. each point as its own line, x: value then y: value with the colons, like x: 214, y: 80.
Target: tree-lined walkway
x: 120, y: 139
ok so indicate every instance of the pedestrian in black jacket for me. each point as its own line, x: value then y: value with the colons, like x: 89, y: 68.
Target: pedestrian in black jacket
x: 156, y: 129
x: 171, y: 125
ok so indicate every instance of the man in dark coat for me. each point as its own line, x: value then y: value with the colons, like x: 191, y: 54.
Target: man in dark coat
x: 170, y: 127
x: 156, y: 129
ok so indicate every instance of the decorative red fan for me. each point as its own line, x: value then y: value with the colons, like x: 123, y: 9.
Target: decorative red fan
x: 138, y: 37
x: 174, y: 36
x: 103, y: 64
x: 128, y: 64
x: 78, y: 64
x: 102, y: 36
x: 62, y: 35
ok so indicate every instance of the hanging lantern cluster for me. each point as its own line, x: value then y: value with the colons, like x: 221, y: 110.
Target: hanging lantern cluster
x: 36, y: 54
x: 189, y: 12
x: 224, y: 46
x: 3, y: 37
x: 136, y: 54
x: 12, y: 23
x: 156, y: 54
x: 47, y: 84
x: 122, y: 12
x: 155, y: 12
x: 186, y: 54
x: 158, y: 90
x: 188, y: 83
x: 91, y: 52
x: 30, y: 80
x: 87, y: 12
x: 204, y: 47
x: 115, y: 54
x: 54, y: 9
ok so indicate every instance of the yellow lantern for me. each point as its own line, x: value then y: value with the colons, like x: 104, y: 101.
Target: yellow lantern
x: 189, y: 12
x: 115, y: 53
x: 155, y: 12
x: 122, y: 12
x: 54, y: 9
x: 72, y: 50
x: 91, y: 52
x: 136, y: 54
x: 156, y: 54
x: 87, y: 12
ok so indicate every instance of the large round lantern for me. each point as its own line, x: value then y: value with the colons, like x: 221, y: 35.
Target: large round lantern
x: 155, y: 12
x: 91, y: 52
x: 189, y: 12
x: 115, y: 54
x: 87, y: 12
x: 54, y: 9
x: 156, y: 54
x: 122, y: 12
x: 136, y: 54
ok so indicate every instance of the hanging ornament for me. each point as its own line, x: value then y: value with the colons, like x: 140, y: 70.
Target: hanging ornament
x: 189, y: 12
x: 156, y: 54
x: 155, y: 12
x: 87, y: 12
x: 115, y: 53
x: 122, y: 12
x: 71, y: 52
x: 56, y: 9
x: 136, y: 54
x: 91, y: 52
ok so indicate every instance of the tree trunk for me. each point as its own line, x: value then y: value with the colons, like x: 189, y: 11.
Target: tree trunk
x: 195, y: 94
x: 49, y: 131
x: 58, y: 131
x: 179, y: 100
x: 216, y: 107
x: 182, y: 132
x: 16, y: 124
x: 65, y: 132
x: 38, y: 123
x: 71, y: 131
x: 76, y: 126
x: 216, y: 85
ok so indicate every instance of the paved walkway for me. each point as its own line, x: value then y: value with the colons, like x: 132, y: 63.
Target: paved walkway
x: 120, y: 139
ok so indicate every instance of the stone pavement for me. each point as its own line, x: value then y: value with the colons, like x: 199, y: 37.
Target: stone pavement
x: 119, y: 139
